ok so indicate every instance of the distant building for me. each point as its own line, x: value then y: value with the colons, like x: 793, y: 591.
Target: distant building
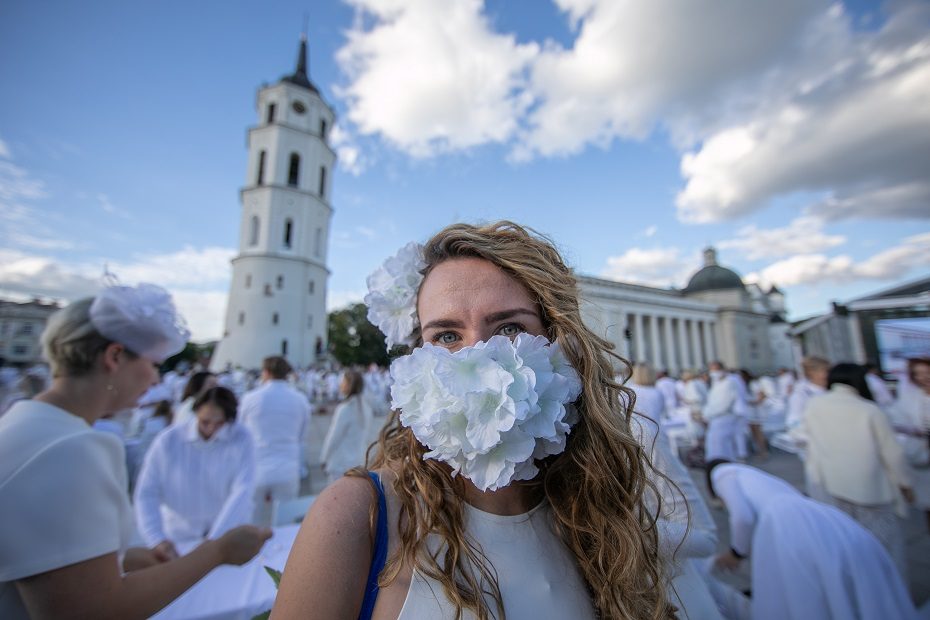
x: 715, y: 317
x: 884, y: 328
x: 277, y: 297
x: 21, y: 324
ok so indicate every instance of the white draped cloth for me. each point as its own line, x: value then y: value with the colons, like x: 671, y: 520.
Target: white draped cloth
x: 347, y: 438
x: 809, y: 560
x: 190, y: 488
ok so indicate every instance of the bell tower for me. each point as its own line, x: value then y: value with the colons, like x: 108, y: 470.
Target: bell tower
x: 277, y: 298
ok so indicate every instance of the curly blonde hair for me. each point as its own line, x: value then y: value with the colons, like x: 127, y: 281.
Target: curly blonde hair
x: 597, y: 488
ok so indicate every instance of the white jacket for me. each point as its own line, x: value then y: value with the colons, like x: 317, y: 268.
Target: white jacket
x: 347, y: 438
x: 851, y: 451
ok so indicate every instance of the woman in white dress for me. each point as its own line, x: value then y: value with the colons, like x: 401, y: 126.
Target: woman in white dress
x: 809, y: 560
x: 66, y: 519
x: 347, y: 438
x: 508, y: 481
x: 198, y: 479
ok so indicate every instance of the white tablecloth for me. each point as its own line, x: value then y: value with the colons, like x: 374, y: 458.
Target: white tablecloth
x: 234, y: 592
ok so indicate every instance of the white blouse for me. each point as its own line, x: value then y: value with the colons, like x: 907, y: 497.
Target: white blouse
x: 190, y: 488
x: 537, y: 574
x: 347, y: 438
x: 63, y: 492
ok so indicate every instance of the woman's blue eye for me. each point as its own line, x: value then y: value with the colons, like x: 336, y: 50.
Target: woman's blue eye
x: 445, y: 338
x: 510, y: 329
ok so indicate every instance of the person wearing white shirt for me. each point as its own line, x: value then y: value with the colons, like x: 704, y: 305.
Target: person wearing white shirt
x: 348, y: 436
x: 814, y: 382
x: 880, y: 392
x: 911, y: 415
x: 197, y: 479
x: 721, y: 414
x: 809, y: 560
x: 854, y: 461
x: 686, y: 529
x: 649, y: 400
x: 785, y: 381
x: 694, y: 398
x: 278, y: 417
x: 666, y: 386
x: 66, y: 521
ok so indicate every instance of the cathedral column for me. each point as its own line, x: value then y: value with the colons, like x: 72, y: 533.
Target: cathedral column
x: 696, y: 341
x: 687, y: 357
x: 709, y: 341
x: 671, y: 362
x: 640, y: 336
x: 654, y: 332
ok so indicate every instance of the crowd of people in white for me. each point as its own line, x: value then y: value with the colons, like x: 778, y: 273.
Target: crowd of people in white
x: 209, y: 452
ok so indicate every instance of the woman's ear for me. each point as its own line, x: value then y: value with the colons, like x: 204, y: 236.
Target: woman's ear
x: 112, y: 355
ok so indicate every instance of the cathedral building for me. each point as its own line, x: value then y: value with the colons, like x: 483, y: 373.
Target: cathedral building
x: 715, y: 317
x: 277, y: 297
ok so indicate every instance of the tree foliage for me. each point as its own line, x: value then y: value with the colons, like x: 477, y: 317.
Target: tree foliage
x: 353, y: 340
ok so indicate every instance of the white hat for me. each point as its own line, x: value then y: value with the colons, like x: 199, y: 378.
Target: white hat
x: 142, y: 318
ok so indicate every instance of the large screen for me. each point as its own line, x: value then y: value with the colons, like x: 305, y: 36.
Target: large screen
x: 900, y: 339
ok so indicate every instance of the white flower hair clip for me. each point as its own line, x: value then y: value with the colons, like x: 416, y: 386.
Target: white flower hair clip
x: 392, y: 295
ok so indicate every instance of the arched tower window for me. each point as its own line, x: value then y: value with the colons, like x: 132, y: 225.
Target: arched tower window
x: 270, y: 117
x: 274, y: 318
x: 253, y: 230
x: 293, y: 170
x: 280, y: 282
x: 322, y: 181
x: 260, y: 177
x: 318, y: 245
x: 288, y: 232
x: 323, y: 128
x: 248, y: 280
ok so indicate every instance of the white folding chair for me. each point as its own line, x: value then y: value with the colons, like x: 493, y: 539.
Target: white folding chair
x: 290, y: 511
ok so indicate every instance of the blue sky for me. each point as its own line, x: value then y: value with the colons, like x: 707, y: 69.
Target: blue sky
x: 793, y: 135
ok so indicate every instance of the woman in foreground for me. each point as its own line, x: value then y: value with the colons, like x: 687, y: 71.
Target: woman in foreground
x: 66, y: 518
x: 512, y: 485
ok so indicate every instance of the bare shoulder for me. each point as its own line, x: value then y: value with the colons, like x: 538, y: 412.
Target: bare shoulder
x: 328, y: 564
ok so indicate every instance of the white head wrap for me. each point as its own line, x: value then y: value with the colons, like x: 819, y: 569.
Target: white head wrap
x: 141, y: 318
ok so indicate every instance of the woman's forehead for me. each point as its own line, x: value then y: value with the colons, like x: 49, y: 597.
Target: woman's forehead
x: 467, y: 282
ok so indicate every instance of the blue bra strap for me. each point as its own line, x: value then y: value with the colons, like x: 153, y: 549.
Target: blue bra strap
x: 379, y: 557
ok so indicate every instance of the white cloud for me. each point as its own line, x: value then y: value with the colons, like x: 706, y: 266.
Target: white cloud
x: 654, y: 267
x: 811, y: 269
x: 650, y: 231
x: 337, y: 300
x: 198, y: 278
x: 634, y: 64
x: 803, y: 235
x: 109, y: 208
x: 4, y: 150
x: 348, y: 153
x: 188, y: 267
x: 857, y: 132
x: 431, y: 75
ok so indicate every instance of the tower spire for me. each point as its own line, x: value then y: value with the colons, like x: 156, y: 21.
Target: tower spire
x: 300, y: 77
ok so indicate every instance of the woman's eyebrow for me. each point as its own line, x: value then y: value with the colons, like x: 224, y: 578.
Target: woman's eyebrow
x: 443, y: 324
x: 508, y: 314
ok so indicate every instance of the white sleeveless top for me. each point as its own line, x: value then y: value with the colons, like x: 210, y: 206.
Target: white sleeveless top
x: 536, y: 573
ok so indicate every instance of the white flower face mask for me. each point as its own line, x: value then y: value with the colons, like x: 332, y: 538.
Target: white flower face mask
x: 490, y: 410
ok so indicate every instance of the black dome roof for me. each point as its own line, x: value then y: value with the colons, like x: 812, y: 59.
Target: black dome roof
x: 713, y: 277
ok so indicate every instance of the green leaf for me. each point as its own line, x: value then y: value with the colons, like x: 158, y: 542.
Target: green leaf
x: 263, y: 616
x: 275, y: 576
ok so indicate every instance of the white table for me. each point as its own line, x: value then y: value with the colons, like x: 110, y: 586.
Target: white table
x: 234, y: 592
